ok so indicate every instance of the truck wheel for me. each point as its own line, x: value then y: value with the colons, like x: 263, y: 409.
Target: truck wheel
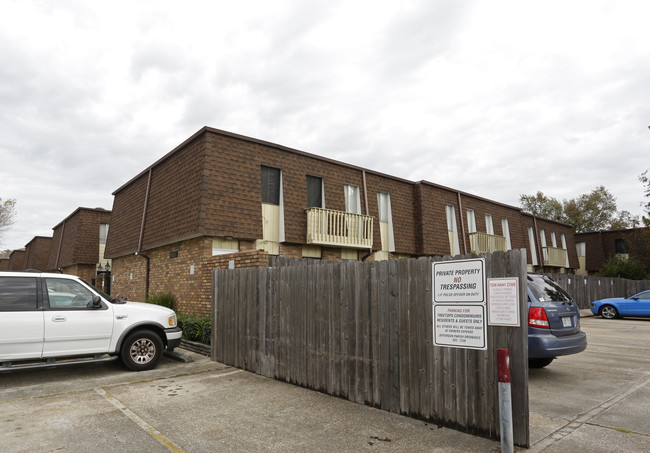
x: 141, y: 350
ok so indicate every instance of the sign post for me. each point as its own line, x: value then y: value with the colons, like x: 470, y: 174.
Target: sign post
x: 505, y: 400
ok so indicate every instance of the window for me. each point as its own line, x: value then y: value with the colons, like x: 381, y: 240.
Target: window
x: 386, y: 222
x: 272, y: 211
x: 471, y: 221
x: 383, y: 199
x: 315, y: 195
x: 505, y: 227
x: 452, y: 230
x: 68, y: 294
x: 581, y: 248
x: 18, y: 294
x: 271, y: 185
x: 103, y: 232
x: 489, y: 226
x: 553, y: 239
x: 533, y: 247
x: 352, y: 199
x: 542, y: 237
x: 621, y: 246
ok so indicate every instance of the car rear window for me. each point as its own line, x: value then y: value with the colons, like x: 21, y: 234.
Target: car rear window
x: 546, y: 290
x: 17, y: 294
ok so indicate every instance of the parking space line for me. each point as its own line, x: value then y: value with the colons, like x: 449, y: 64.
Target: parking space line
x: 153, y: 432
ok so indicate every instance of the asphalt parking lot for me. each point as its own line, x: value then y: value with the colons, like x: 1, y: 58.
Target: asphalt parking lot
x: 596, y: 401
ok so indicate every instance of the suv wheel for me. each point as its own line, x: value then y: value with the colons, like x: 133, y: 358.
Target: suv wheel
x: 539, y: 363
x: 142, y: 350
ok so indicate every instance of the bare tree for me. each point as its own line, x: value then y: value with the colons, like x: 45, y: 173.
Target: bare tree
x: 7, y: 214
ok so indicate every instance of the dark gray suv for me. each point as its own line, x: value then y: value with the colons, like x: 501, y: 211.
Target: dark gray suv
x: 553, y: 322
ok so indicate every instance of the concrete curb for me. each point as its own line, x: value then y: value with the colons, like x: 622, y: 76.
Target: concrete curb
x: 180, y: 356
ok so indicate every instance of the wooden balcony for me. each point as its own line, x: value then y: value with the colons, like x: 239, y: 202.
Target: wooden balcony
x: 554, y: 256
x: 338, y: 229
x: 486, y: 243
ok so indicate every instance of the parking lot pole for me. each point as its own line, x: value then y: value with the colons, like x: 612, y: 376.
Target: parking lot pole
x: 505, y: 400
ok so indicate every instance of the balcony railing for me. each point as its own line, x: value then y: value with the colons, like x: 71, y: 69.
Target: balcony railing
x: 486, y: 243
x: 554, y: 256
x: 338, y: 229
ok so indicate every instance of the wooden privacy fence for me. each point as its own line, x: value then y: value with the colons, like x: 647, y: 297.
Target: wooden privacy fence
x: 587, y: 288
x: 364, y: 331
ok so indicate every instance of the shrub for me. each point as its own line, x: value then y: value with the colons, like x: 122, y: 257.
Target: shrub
x: 618, y: 266
x: 163, y: 299
x: 195, y: 328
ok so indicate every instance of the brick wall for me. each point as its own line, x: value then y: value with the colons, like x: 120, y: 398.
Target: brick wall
x: 254, y: 258
x: 127, y: 277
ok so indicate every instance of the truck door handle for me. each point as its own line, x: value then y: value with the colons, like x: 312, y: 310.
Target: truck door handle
x: 59, y: 318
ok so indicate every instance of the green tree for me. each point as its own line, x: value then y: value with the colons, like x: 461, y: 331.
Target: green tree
x: 7, y: 214
x: 593, y: 211
x: 542, y: 206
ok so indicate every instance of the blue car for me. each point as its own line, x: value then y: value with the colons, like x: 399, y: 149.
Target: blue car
x: 617, y: 307
x: 553, y: 322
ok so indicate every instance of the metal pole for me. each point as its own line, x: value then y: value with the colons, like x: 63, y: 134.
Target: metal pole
x: 505, y: 400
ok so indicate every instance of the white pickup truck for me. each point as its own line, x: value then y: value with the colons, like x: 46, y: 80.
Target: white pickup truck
x: 58, y: 319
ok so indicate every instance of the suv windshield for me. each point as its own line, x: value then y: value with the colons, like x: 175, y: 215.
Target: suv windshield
x: 546, y: 290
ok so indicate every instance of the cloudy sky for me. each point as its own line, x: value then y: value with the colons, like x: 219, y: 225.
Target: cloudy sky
x: 495, y: 98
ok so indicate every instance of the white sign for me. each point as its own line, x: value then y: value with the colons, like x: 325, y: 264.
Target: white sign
x: 460, y: 281
x: 503, y: 302
x: 460, y: 326
x: 459, y: 304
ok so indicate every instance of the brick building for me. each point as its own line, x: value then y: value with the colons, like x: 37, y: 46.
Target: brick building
x: 37, y: 253
x: 4, y: 264
x: 78, y: 244
x: 595, y: 248
x: 222, y: 199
